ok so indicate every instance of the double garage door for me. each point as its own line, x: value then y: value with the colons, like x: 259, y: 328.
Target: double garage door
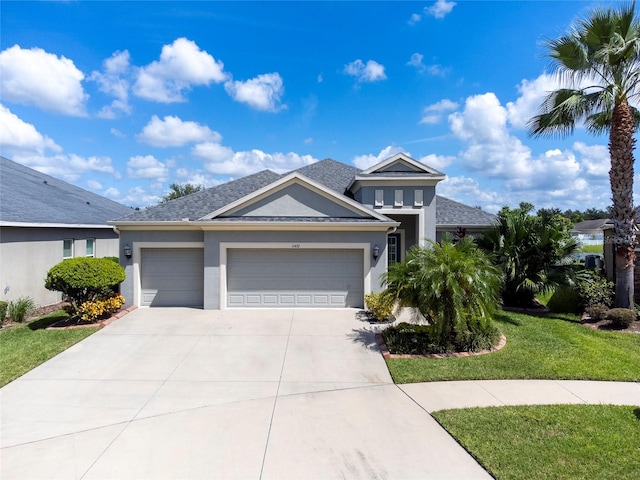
x: 268, y: 278
x: 274, y: 278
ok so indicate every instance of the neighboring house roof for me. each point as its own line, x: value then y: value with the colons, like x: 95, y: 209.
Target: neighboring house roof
x: 333, y: 175
x: 452, y: 213
x: 590, y: 226
x: 31, y: 198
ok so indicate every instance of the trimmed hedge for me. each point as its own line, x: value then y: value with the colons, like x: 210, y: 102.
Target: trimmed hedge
x: 84, y: 279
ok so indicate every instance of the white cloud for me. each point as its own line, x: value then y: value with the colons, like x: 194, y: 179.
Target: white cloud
x: 94, y: 186
x: 308, y: 141
x: 595, y: 159
x: 263, y: 92
x: 137, y: 196
x: 181, y: 65
x: 116, y: 133
x: 147, y: 167
x: 67, y: 166
x: 440, y: 9
x: 439, y: 162
x: 114, y: 81
x: 372, y: 71
x: 432, y: 114
x: 222, y: 160
x: 468, y: 191
x: 416, y: 61
x: 173, y: 132
x: 365, y: 161
x: 18, y: 136
x: 532, y: 94
x: 35, y: 77
x: 415, y: 18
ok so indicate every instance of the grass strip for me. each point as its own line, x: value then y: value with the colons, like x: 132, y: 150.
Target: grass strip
x: 24, y: 347
x: 563, y: 442
x: 554, y: 346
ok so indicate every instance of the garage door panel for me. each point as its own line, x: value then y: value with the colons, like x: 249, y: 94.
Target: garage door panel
x: 172, y: 277
x: 295, y: 278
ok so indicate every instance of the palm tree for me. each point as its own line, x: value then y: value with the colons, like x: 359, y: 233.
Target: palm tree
x: 454, y: 286
x: 598, y: 61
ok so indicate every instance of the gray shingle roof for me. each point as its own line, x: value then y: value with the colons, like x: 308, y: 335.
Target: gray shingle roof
x: 452, y: 213
x: 202, y: 203
x: 332, y: 174
x: 28, y: 196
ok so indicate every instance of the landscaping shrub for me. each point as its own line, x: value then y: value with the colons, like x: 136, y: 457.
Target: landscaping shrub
x: 594, y: 289
x: 19, y: 309
x: 621, y: 317
x: 3, y: 311
x: 95, y: 309
x: 84, y: 279
x: 565, y: 300
x: 113, y: 259
x: 380, y: 305
x: 597, y: 312
x: 453, y: 285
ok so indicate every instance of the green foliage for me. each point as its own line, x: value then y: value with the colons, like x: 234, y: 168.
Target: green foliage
x: 93, y: 310
x: 594, y: 289
x: 19, y: 309
x: 380, y: 305
x: 3, y: 311
x: 621, y: 317
x: 453, y: 285
x: 597, y: 312
x: 83, y: 279
x: 532, y: 251
x: 564, y: 300
x: 113, y: 259
x: 181, y: 190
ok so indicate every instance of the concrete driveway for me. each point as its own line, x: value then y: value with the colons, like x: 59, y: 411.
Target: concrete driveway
x: 183, y: 393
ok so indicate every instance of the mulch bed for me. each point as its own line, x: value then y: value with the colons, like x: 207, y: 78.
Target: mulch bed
x: 74, y: 322
x: 606, y: 325
x: 387, y: 354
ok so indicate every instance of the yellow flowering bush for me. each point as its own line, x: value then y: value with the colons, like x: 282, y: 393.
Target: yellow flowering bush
x: 92, y: 310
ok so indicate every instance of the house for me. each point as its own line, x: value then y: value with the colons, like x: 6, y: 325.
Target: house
x: 319, y: 236
x: 44, y: 220
x: 590, y: 232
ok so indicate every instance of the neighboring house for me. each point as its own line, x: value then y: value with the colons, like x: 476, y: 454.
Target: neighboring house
x: 590, y: 232
x: 44, y: 220
x: 610, y: 258
x: 319, y: 236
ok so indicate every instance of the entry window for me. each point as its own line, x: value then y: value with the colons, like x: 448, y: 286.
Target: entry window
x: 399, y: 198
x: 379, y: 198
x: 393, y: 249
x: 418, y: 198
x: 67, y: 248
x: 90, y: 250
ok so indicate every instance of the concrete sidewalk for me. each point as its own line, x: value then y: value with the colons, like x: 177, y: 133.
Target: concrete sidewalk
x: 286, y: 394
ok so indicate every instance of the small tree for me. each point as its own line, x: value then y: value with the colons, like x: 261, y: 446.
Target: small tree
x: 453, y: 285
x: 532, y: 252
x: 84, y: 279
x: 180, y: 190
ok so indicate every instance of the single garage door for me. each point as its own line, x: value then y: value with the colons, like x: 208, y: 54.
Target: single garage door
x: 295, y: 278
x: 172, y: 277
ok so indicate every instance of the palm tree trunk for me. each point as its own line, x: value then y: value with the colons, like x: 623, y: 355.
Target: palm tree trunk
x: 621, y: 145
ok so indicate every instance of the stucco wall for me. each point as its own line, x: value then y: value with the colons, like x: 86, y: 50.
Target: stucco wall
x: 27, y: 254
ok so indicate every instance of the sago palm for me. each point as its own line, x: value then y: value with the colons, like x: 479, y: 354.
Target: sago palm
x: 598, y: 61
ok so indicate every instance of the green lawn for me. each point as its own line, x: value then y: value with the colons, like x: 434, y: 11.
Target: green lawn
x: 560, y: 442
x: 596, y: 249
x: 23, y: 347
x: 555, y: 346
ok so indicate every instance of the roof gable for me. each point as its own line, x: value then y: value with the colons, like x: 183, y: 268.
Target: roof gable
x: 293, y: 196
x: 401, y: 163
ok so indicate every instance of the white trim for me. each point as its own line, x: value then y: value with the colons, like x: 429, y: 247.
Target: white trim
x: 224, y: 246
x: 137, y: 257
x: 295, y: 178
x: 53, y: 225
x: 422, y: 241
x: 222, y: 224
x: 72, y: 248
x: 401, y: 252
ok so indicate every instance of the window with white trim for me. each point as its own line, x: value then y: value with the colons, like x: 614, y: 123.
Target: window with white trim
x: 90, y: 249
x: 399, y: 198
x: 379, y: 200
x: 418, y: 198
x: 67, y: 248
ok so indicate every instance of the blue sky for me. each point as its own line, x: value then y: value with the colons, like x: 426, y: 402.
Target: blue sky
x: 124, y: 98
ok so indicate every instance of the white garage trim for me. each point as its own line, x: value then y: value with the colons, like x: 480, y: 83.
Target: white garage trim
x: 137, y: 256
x: 224, y: 246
